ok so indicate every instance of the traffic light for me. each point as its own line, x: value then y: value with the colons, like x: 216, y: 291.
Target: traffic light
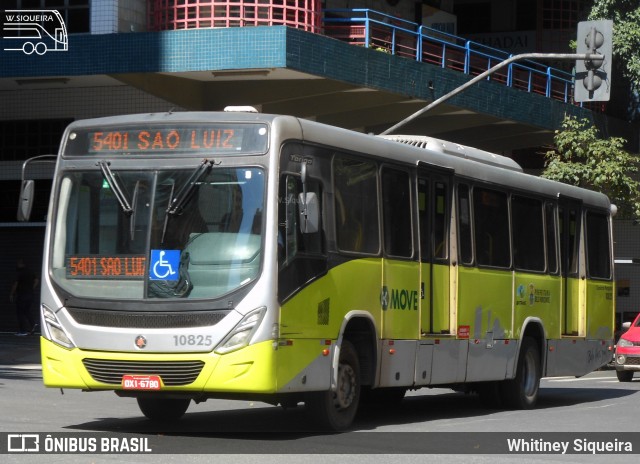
x: 593, y: 76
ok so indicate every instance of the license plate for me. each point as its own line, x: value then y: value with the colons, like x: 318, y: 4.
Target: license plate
x: 141, y: 382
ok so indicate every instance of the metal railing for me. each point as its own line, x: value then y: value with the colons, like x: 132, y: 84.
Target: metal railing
x: 396, y: 36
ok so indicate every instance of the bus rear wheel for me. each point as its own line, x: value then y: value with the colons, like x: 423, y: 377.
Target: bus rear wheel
x: 335, y: 410
x: 521, y: 392
x: 163, y: 409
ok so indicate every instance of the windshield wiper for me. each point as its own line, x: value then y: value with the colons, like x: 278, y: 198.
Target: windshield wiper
x: 186, y: 191
x: 115, y: 187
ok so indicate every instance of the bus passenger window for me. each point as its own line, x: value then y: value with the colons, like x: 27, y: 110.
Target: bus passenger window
x: 440, y: 219
x: 598, y: 248
x: 465, y: 249
x: 291, y: 241
x: 356, y: 207
x: 490, y: 212
x: 552, y: 253
x: 423, y: 216
x: 396, y: 211
x: 569, y: 244
x: 528, y: 234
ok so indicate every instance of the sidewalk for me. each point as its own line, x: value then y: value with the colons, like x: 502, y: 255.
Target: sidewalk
x: 19, y: 350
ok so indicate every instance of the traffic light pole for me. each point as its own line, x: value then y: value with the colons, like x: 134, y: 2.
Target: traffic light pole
x: 488, y: 72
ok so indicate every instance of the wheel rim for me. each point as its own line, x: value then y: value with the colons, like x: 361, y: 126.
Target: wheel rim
x: 346, y: 391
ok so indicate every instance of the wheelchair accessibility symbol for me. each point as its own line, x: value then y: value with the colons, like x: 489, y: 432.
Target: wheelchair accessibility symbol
x: 164, y: 265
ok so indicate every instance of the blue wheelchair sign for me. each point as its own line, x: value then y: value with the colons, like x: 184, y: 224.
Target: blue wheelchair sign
x: 165, y: 265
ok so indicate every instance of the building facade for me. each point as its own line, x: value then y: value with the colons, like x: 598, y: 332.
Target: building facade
x: 359, y: 64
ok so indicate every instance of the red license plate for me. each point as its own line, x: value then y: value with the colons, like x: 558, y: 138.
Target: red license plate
x: 141, y: 382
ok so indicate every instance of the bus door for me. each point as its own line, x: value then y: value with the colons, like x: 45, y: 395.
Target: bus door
x: 434, y: 212
x: 400, y: 295
x: 571, y: 314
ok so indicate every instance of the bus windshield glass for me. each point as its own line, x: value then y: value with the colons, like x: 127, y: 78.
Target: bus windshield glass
x: 118, y: 234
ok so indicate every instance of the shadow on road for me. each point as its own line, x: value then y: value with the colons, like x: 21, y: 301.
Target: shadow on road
x: 268, y: 421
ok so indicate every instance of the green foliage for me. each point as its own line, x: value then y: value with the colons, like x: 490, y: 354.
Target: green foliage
x: 626, y: 33
x: 582, y: 158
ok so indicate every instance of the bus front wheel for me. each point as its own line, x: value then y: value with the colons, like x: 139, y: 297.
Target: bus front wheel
x: 521, y: 392
x: 336, y: 410
x: 163, y: 409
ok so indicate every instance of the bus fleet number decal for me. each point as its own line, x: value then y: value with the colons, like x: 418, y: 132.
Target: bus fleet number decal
x: 192, y: 340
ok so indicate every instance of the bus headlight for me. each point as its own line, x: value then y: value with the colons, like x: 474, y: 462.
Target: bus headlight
x: 53, y: 329
x: 241, y: 334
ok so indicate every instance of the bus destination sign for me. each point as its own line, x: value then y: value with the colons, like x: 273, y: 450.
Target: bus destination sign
x: 220, y: 138
x: 106, y: 267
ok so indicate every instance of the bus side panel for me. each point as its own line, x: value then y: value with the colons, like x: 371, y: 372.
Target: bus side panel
x: 449, y: 362
x: 600, y: 310
x: 576, y: 357
x: 489, y: 359
x: 317, y: 311
x: 400, y: 316
x: 311, y: 320
x: 538, y: 296
x: 397, y: 363
x: 484, y: 303
x: 304, y: 365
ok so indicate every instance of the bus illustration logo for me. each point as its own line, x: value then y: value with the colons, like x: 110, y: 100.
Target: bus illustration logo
x: 23, y: 442
x: 36, y: 31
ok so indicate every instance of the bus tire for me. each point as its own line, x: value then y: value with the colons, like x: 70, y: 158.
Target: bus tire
x: 521, y: 392
x: 163, y: 409
x: 335, y: 410
x: 624, y: 376
x: 28, y: 48
x: 40, y: 48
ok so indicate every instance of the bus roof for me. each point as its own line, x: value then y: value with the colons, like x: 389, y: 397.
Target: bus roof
x: 465, y: 161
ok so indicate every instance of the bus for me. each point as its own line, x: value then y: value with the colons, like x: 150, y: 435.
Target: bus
x: 36, y: 31
x: 239, y: 255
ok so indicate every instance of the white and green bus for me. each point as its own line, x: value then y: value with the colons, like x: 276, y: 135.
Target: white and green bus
x: 249, y: 256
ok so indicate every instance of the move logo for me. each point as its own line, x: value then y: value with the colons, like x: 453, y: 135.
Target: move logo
x: 398, y: 299
x: 32, y: 31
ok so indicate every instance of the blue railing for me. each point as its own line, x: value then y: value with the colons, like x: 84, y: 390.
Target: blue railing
x: 400, y: 37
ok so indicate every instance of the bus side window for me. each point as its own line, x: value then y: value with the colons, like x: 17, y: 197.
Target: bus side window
x: 491, y: 215
x: 291, y: 241
x: 465, y: 248
x: 356, y: 207
x: 550, y: 223
x: 569, y: 239
x: 528, y: 234
x: 396, y: 210
x: 598, y: 248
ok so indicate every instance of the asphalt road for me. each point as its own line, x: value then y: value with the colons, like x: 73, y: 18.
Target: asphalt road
x: 429, y: 425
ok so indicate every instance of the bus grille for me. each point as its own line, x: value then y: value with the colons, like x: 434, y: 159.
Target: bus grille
x: 146, y: 320
x: 173, y: 373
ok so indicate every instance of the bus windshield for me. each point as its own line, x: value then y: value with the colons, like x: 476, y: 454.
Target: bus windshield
x: 118, y: 234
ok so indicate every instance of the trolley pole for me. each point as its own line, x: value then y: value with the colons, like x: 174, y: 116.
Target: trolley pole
x: 488, y: 72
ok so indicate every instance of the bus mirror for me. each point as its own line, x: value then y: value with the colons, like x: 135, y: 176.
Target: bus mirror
x: 26, y: 200
x: 309, y: 212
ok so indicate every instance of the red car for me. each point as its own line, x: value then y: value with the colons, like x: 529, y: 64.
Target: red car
x: 627, y: 359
